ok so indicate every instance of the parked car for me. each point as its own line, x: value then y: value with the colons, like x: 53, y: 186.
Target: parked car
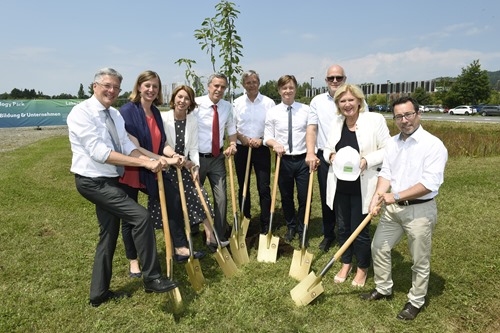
x: 379, y: 108
x: 490, y: 110
x: 435, y: 108
x: 423, y: 108
x: 462, y: 109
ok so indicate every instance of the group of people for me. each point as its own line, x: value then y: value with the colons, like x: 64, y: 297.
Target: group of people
x: 360, y: 168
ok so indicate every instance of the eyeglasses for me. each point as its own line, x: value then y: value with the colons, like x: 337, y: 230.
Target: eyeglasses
x: 407, y: 116
x: 108, y: 86
x: 333, y: 78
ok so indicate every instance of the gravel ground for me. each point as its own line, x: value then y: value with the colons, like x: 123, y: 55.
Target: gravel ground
x: 13, y: 138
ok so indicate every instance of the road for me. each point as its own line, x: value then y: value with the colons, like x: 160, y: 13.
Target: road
x: 455, y: 118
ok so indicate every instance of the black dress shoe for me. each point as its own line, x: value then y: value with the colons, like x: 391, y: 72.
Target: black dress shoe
x: 409, y: 312
x: 325, y: 244
x: 374, y: 295
x: 159, y: 285
x: 212, y: 247
x: 290, y: 235
x: 109, y: 295
x: 183, y: 258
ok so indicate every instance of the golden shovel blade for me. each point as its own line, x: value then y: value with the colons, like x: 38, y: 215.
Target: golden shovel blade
x: 301, y: 264
x: 225, y: 262
x: 268, y: 248
x: 176, y: 298
x: 195, y: 274
x: 245, y: 224
x: 307, y: 290
x: 239, y: 249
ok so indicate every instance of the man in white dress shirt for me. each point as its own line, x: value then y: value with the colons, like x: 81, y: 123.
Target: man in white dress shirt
x: 413, y: 170
x: 285, y: 133
x: 323, y: 110
x: 250, y: 112
x: 211, y: 143
x: 101, y: 147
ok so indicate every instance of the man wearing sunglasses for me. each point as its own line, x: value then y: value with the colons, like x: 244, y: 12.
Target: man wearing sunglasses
x: 323, y: 110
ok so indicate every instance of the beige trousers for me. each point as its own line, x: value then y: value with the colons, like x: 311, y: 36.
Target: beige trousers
x: 417, y: 222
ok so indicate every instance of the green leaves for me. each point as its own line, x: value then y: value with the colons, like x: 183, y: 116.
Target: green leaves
x: 219, y: 39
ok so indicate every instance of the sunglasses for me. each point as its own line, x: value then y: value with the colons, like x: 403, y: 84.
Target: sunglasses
x: 333, y: 78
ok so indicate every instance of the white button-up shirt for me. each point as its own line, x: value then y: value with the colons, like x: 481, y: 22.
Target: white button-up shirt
x: 323, y: 110
x: 250, y: 117
x: 420, y: 159
x: 205, y: 113
x: 277, y: 126
x: 90, y: 140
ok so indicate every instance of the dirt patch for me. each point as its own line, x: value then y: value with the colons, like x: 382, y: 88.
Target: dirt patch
x: 13, y: 138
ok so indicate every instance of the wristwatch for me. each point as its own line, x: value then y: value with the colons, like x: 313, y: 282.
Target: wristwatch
x: 396, y: 196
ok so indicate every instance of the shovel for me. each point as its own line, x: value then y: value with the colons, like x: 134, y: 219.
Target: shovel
x: 222, y: 255
x: 311, y: 287
x: 193, y: 266
x: 301, y: 261
x: 268, y: 244
x: 237, y: 239
x: 175, y: 294
x: 245, y: 222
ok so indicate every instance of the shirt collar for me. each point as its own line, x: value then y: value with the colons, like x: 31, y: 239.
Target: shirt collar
x: 416, y: 135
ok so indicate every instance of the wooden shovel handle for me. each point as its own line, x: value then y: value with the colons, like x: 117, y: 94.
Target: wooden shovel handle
x: 275, y: 182
x: 347, y: 243
x: 231, y: 182
x: 309, y: 196
x: 247, y: 172
x: 187, y: 226
x: 164, y: 218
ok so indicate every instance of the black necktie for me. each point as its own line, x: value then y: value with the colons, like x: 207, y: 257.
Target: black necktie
x: 290, y: 129
x: 110, y: 125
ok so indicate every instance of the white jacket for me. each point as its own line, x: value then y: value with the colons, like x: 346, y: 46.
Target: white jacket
x: 191, y: 135
x: 372, y: 134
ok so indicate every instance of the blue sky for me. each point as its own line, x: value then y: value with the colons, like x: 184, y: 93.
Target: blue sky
x: 53, y: 46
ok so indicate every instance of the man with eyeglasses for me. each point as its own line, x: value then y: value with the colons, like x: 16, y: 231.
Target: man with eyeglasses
x: 101, y: 147
x: 413, y: 171
x: 323, y: 111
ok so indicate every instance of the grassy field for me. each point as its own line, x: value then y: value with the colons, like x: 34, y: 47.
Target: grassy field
x: 48, y: 235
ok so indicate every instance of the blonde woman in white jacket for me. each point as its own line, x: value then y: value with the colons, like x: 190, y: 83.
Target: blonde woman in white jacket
x: 366, y: 133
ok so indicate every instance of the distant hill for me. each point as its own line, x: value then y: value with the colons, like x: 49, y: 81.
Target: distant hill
x: 494, y: 79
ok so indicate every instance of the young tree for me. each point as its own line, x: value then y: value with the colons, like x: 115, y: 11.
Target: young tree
x: 473, y: 85
x: 190, y: 74
x: 81, y: 92
x: 219, y: 39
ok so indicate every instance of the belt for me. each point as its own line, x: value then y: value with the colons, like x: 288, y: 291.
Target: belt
x: 208, y: 155
x: 294, y: 157
x: 413, y: 202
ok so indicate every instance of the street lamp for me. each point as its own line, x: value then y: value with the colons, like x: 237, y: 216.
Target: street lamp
x: 387, y: 98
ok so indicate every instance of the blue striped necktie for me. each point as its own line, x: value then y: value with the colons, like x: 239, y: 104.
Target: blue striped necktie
x: 110, y: 125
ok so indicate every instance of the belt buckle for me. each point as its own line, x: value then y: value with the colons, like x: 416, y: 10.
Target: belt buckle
x: 406, y: 203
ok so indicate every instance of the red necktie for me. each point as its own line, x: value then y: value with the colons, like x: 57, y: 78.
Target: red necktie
x: 215, y: 133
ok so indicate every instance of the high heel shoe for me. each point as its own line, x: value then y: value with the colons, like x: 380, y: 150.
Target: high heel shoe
x: 359, y: 284
x: 338, y: 279
x: 133, y: 274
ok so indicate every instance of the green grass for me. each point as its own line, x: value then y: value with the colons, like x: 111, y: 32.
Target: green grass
x: 48, y: 235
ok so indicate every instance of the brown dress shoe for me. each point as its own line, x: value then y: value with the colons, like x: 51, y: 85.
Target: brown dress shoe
x: 409, y: 312
x: 374, y: 295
